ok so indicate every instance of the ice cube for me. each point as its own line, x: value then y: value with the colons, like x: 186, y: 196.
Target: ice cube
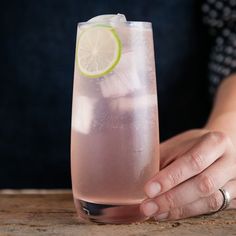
x: 134, y: 103
x: 109, y: 18
x: 83, y: 111
x: 123, y: 80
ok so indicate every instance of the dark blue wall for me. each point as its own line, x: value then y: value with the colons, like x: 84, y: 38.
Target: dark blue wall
x: 37, y: 59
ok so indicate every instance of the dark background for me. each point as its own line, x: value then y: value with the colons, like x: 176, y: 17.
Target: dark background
x: 37, y: 60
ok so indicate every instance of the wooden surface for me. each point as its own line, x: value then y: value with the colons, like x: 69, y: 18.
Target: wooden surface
x: 52, y: 213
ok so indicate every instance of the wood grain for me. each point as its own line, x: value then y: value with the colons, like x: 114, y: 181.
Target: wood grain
x: 25, y: 213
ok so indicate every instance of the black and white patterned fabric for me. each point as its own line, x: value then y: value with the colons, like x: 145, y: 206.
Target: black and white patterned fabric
x: 220, y: 16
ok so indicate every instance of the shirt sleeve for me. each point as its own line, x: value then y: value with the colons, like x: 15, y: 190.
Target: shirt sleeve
x: 220, y: 16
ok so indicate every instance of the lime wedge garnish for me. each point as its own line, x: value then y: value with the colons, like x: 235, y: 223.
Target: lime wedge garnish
x: 98, y: 51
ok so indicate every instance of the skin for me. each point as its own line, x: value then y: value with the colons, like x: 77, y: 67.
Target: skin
x: 196, y: 163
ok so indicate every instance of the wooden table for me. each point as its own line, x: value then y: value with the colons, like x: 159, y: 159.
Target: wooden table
x: 24, y: 213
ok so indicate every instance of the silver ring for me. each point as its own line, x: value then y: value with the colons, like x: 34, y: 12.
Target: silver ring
x: 226, y: 199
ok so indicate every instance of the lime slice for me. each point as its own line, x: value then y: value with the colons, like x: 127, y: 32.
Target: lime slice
x: 98, y: 51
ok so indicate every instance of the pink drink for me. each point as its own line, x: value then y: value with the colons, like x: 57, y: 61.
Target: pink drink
x: 115, y: 136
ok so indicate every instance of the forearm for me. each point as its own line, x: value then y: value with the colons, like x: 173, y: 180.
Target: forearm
x: 223, y: 115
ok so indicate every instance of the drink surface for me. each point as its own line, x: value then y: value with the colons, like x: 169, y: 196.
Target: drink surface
x: 114, y: 145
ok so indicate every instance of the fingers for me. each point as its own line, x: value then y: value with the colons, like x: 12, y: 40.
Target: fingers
x: 203, y: 185
x: 211, y: 146
x: 171, y: 145
x: 233, y: 204
x: 202, y: 206
x: 231, y: 188
x: 174, y: 151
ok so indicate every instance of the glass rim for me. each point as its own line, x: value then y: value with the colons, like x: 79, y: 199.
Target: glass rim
x: 127, y: 23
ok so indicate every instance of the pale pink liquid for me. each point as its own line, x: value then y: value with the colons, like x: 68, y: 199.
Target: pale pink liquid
x: 115, y: 138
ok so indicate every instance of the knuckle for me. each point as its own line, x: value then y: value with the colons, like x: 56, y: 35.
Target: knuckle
x: 197, y: 161
x: 220, y: 138
x: 206, y: 185
x: 214, y: 202
x: 175, y: 177
x: 217, y: 137
x: 170, y: 200
x: 177, y: 213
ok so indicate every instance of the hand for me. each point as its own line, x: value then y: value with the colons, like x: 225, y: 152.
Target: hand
x: 194, y: 165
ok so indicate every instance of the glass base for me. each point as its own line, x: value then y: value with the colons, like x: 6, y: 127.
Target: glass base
x: 113, y: 214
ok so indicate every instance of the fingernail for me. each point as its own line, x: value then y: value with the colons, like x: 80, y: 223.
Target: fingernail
x: 162, y: 216
x: 153, y: 189
x: 150, y: 208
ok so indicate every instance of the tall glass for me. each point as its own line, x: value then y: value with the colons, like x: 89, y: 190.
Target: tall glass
x: 115, y: 134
